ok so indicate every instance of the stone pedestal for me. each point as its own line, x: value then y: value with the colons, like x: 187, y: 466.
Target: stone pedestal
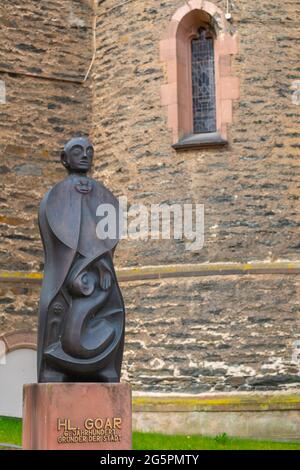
x: 77, y: 416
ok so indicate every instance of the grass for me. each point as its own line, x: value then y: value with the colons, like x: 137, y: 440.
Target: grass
x: 11, y: 432
x: 150, y: 441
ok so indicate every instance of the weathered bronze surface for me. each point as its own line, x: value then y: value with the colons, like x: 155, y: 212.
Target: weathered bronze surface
x: 81, y: 315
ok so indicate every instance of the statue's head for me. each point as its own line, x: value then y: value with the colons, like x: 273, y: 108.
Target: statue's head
x: 77, y: 155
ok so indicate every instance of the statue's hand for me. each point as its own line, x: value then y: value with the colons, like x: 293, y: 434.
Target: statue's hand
x: 105, y: 279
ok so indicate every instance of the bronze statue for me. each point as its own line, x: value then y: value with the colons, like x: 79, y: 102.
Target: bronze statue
x: 81, y: 315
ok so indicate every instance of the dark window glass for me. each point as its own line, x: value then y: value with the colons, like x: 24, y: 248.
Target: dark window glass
x: 203, y: 82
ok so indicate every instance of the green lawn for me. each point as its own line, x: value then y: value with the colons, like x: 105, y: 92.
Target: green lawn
x: 162, y: 442
x: 11, y: 432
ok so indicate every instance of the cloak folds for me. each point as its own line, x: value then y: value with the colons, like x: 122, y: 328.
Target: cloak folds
x: 81, y: 314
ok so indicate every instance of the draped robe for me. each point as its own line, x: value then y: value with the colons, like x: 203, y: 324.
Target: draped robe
x: 81, y: 313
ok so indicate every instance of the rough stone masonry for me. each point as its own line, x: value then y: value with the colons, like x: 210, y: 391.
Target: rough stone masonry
x: 189, y: 334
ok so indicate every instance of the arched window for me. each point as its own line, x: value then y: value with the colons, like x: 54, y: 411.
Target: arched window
x: 203, y: 83
x: 17, y: 367
x: 197, y: 51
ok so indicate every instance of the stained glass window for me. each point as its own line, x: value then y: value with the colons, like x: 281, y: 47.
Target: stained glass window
x: 203, y: 83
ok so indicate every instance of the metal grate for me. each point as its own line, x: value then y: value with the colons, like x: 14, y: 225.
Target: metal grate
x: 203, y: 83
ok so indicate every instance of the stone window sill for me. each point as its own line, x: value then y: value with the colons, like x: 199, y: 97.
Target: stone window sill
x: 195, y: 141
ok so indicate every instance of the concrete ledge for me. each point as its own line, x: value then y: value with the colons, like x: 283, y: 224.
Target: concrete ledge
x: 243, y: 401
x: 196, y: 141
x: 255, y: 415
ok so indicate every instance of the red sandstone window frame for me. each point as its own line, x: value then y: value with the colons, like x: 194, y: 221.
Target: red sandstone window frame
x: 19, y: 339
x: 176, y: 95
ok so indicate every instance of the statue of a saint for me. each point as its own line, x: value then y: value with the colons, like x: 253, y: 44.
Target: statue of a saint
x: 81, y: 316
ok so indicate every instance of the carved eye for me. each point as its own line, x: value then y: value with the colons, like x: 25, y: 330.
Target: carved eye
x: 76, y: 151
x: 90, y: 152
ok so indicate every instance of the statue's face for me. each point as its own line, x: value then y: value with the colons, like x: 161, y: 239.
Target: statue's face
x: 78, y: 155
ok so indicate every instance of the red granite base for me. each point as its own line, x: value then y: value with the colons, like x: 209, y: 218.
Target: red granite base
x: 77, y: 416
